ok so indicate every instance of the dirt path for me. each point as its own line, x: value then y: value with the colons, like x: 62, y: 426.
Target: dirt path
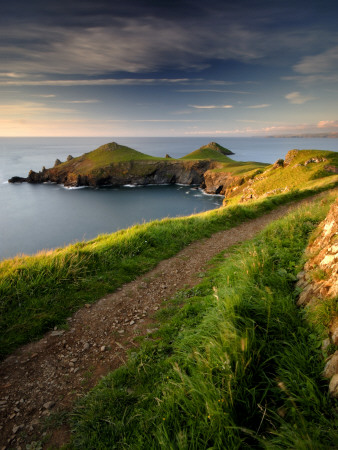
x: 47, y: 376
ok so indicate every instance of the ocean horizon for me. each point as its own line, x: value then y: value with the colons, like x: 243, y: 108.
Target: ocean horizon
x: 36, y: 217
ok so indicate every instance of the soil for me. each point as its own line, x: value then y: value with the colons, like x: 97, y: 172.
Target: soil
x: 43, y: 379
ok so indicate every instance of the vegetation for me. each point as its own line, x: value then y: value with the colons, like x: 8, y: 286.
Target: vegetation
x: 302, y: 169
x: 41, y: 291
x: 211, y: 151
x: 233, y: 364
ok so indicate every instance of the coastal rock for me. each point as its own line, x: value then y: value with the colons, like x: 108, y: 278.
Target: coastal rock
x: 333, y: 386
x: 319, y: 284
x: 320, y: 275
x: 57, y: 163
x: 220, y: 182
x: 17, y: 180
x: 278, y: 163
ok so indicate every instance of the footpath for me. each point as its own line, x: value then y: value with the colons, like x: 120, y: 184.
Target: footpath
x: 42, y: 380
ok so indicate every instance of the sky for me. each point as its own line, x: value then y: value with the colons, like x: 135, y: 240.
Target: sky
x: 168, y: 68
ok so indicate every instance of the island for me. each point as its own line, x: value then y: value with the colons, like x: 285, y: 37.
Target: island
x: 208, y: 167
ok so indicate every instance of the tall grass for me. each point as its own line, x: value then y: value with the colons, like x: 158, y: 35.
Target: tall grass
x: 235, y: 367
x: 41, y: 291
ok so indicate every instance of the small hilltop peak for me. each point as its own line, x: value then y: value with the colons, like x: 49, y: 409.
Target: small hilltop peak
x: 217, y: 148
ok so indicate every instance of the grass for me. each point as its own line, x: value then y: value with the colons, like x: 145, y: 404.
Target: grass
x: 233, y: 364
x: 207, y: 153
x: 296, y: 174
x: 39, y: 292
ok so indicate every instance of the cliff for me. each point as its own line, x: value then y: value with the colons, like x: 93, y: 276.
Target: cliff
x: 319, y: 284
x: 209, y: 167
x: 116, y: 165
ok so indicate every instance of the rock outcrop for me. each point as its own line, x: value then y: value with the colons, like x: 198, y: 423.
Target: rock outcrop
x: 319, y: 283
x: 116, y: 165
x: 121, y: 173
x: 220, y: 182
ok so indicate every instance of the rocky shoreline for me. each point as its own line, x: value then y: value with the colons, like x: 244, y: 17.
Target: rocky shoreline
x: 76, y: 172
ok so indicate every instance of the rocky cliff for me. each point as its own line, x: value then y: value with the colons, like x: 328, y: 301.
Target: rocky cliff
x: 319, y: 284
x: 116, y: 165
x: 121, y: 173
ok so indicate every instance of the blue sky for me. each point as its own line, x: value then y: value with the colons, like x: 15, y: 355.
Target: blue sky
x: 169, y: 68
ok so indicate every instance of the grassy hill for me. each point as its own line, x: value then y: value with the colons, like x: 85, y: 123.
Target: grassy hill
x: 301, y: 169
x: 212, y: 151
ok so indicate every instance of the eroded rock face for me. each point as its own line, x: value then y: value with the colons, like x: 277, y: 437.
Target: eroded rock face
x: 319, y: 281
x: 129, y: 172
x: 220, y: 182
x: 320, y: 276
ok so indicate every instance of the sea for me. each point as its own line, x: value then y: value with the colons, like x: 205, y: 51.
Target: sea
x: 37, y: 217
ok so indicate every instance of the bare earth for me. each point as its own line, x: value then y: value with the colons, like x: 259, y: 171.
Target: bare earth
x: 47, y: 376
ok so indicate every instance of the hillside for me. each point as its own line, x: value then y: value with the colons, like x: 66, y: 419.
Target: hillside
x: 211, y: 151
x: 114, y: 164
x: 301, y: 169
x: 208, y: 167
x: 224, y: 360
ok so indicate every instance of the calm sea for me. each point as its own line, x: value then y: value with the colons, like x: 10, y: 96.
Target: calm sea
x: 35, y: 217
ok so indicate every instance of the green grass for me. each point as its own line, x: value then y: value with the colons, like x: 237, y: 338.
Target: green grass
x: 107, y: 154
x: 297, y: 175
x: 241, y: 167
x: 236, y: 366
x: 207, y: 153
x: 39, y: 292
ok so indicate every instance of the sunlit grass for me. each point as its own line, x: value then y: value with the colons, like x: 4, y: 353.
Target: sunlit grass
x: 235, y: 367
x: 41, y: 291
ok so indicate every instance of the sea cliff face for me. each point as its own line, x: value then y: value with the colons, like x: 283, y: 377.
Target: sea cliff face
x: 121, y: 173
x: 116, y: 165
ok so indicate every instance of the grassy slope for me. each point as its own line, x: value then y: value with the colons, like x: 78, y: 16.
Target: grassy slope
x: 39, y: 292
x: 296, y: 175
x: 103, y: 157
x: 235, y: 367
x: 206, y: 154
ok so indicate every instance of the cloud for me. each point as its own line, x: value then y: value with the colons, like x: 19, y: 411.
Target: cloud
x: 263, y: 105
x: 82, y: 101
x: 328, y: 124
x: 27, y: 108
x: 321, y: 63
x: 297, y: 98
x: 211, y: 106
x: 96, y: 82
x: 223, y: 91
x: 141, y: 44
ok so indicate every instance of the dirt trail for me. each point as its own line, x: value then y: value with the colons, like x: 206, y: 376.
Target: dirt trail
x: 47, y: 376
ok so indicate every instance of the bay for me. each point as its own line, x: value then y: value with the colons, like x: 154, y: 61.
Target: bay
x: 35, y: 217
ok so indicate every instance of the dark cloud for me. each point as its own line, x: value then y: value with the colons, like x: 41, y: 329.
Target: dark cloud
x: 139, y: 36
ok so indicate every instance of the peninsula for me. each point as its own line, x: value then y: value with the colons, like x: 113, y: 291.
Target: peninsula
x: 209, y: 167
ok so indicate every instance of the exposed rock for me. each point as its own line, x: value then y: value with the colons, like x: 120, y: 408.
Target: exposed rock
x: 333, y: 386
x: 320, y: 278
x: 49, y: 405
x: 278, y: 163
x: 220, y: 182
x: 69, y: 158
x: 168, y: 156
x: 290, y: 156
x: 314, y: 160
x: 319, y: 281
x: 17, y: 180
x: 57, y: 163
x: 331, y: 367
